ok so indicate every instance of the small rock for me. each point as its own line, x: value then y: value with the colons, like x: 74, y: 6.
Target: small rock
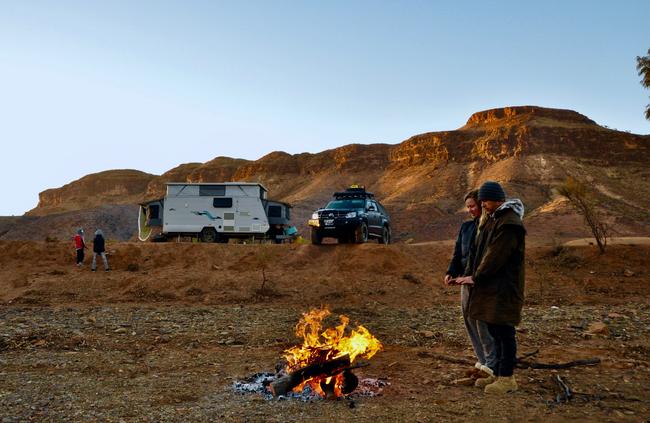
x: 427, y: 334
x: 598, y: 328
x: 466, y: 381
x: 627, y: 273
x: 120, y: 330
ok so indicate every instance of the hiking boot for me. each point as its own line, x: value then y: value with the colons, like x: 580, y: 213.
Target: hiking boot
x: 92, y: 270
x: 107, y: 270
x: 502, y: 385
x: 484, y: 381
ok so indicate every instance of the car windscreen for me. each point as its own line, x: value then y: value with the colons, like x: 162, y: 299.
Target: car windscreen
x: 352, y: 203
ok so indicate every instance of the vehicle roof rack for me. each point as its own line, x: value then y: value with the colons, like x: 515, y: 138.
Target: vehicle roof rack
x: 355, y: 191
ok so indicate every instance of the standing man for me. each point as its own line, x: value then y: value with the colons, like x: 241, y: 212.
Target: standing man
x: 99, y: 248
x: 80, y: 246
x: 496, y: 266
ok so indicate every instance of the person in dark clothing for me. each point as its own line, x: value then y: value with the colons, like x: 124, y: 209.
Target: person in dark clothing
x: 477, y: 331
x: 80, y: 246
x: 99, y: 248
x: 496, y: 273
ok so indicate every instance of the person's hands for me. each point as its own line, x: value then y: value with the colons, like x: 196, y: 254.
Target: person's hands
x: 465, y: 280
x: 447, y: 279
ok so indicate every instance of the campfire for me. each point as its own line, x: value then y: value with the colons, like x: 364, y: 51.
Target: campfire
x: 326, y: 358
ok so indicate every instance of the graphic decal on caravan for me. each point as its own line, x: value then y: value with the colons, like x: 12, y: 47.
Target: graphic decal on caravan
x: 206, y: 213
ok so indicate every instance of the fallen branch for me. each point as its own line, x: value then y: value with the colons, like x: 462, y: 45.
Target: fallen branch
x: 566, y: 394
x: 523, y: 364
x: 528, y: 354
x: 442, y: 357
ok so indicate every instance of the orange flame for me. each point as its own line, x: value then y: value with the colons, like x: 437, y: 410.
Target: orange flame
x: 321, y: 345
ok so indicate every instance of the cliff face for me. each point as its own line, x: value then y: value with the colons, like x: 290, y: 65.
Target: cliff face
x: 109, y: 187
x: 423, y: 179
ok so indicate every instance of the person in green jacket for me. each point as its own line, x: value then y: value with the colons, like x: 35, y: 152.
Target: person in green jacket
x: 496, y: 269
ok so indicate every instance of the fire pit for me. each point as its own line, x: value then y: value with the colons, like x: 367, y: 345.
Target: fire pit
x: 322, y: 366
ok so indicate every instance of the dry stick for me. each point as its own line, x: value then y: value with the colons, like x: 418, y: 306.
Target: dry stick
x: 528, y: 354
x: 566, y: 394
x: 534, y: 365
x: 456, y: 360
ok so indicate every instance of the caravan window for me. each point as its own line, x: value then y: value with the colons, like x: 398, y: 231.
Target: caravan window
x: 222, y: 202
x: 153, y: 211
x: 275, y: 211
x: 212, y: 190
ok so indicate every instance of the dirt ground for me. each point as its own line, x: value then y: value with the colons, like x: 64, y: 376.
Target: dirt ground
x: 166, y: 333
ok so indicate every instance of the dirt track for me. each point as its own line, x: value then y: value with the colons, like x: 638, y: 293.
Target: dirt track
x: 164, y: 335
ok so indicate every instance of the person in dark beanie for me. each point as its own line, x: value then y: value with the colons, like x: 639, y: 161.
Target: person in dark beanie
x: 99, y: 248
x: 477, y: 331
x: 496, y: 269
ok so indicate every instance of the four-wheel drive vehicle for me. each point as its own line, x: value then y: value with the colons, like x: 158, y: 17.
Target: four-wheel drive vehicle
x: 353, y: 215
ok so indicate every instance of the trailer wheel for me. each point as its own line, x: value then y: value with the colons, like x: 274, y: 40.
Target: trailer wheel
x: 208, y: 235
x: 361, y: 234
x: 316, y: 237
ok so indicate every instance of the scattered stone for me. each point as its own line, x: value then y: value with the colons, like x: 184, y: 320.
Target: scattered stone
x: 598, y: 328
x: 427, y: 333
x: 466, y: 381
x: 628, y: 273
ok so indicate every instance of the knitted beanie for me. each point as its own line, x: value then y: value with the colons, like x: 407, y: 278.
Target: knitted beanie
x: 491, y: 190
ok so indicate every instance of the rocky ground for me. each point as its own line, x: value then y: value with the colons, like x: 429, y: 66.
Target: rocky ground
x: 166, y: 333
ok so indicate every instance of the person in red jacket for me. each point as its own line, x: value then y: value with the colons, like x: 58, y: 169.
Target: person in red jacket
x: 80, y: 246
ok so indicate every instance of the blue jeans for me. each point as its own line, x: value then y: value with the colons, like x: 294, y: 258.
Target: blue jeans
x: 479, y: 335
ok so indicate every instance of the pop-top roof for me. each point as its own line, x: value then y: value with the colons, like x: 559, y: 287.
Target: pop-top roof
x: 217, y: 183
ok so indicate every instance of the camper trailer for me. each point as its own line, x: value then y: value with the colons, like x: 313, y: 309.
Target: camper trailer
x: 213, y: 212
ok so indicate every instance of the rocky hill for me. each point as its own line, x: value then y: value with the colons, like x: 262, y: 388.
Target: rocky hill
x: 421, y: 180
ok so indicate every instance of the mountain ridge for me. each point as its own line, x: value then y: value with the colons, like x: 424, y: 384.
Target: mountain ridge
x: 528, y: 148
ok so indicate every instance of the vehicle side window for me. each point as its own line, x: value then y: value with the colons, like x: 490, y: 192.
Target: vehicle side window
x: 224, y: 202
x: 382, y: 210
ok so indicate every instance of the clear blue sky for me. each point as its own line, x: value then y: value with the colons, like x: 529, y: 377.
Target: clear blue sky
x: 87, y: 86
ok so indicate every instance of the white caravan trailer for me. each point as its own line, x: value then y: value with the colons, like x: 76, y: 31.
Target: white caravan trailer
x: 215, y: 212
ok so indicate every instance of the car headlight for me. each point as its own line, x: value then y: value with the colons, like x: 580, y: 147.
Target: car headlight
x: 314, y: 216
x: 351, y: 215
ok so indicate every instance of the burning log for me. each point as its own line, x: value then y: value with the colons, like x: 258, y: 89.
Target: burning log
x: 312, y: 364
x: 328, y: 368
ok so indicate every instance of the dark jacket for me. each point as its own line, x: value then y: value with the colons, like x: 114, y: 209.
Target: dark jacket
x: 497, y: 267
x: 98, y: 244
x: 461, y: 250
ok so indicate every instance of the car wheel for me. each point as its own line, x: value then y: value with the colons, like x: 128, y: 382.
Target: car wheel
x: 385, y: 236
x: 316, y: 237
x: 361, y: 234
x: 208, y: 235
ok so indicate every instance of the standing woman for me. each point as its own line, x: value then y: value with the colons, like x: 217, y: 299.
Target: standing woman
x: 497, y: 277
x: 477, y: 331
